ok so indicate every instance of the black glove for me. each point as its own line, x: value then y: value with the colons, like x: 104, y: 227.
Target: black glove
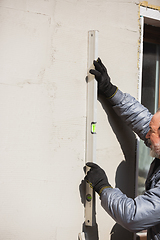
x: 105, y: 86
x: 97, y: 178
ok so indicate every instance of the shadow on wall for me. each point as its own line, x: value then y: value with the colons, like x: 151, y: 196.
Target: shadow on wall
x: 125, y: 173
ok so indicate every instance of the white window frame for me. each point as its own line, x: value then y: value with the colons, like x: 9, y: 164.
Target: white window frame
x: 147, y: 15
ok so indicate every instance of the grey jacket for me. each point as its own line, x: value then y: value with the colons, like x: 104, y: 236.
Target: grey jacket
x: 143, y: 212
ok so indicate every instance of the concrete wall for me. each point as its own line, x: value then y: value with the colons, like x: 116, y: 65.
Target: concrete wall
x: 43, y: 65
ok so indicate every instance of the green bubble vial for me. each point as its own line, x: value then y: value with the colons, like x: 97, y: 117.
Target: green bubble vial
x: 89, y: 197
x: 93, y: 127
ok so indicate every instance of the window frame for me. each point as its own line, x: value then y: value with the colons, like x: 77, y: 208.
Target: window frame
x: 151, y: 17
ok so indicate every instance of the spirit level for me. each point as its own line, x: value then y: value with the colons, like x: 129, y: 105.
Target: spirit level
x: 81, y: 236
x: 91, y: 123
x: 91, y: 120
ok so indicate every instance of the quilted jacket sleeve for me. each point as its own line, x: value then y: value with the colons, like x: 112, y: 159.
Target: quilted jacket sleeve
x: 135, y: 115
x: 133, y: 214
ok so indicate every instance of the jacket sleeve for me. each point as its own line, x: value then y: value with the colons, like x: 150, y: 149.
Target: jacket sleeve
x: 135, y: 115
x: 133, y: 214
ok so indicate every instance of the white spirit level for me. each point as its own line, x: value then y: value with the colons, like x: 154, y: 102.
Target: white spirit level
x: 91, y: 123
x: 90, y: 153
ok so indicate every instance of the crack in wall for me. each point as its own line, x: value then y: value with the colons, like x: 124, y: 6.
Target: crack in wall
x: 26, y: 11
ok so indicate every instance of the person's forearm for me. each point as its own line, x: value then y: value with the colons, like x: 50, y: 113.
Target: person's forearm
x: 132, y: 112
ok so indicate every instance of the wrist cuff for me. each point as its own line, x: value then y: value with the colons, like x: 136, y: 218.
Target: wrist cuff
x: 103, y: 189
x: 116, y: 89
x: 110, y: 91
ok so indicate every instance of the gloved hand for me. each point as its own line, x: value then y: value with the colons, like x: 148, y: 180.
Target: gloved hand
x: 97, y: 178
x: 105, y: 86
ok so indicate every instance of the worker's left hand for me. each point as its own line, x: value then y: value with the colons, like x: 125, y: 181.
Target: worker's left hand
x: 97, y: 178
x: 105, y: 86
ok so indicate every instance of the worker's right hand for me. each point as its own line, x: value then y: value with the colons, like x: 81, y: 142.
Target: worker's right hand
x: 104, y: 84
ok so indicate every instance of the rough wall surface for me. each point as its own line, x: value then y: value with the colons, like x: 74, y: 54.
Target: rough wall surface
x: 43, y: 65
